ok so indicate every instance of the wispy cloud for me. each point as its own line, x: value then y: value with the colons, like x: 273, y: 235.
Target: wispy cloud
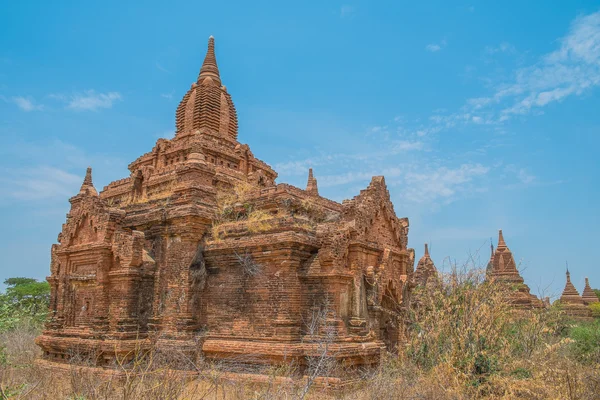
x: 573, y: 69
x: 435, y: 47
x: 503, y: 47
x: 161, y: 68
x: 39, y: 183
x: 88, y: 100
x: 24, y: 103
x: 442, y: 183
x: 50, y: 170
x: 168, y: 96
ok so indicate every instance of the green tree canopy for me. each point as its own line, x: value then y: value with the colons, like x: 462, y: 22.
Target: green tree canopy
x: 24, y: 300
x: 26, y: 289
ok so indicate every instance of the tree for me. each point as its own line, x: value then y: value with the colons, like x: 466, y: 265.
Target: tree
x: 25, y: 301
x: 597, y: 291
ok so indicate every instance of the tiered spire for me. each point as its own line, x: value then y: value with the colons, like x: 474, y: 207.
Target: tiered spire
x: 311, y: 185
x: 588, y: 294
x: 87, y: 187
x: 425, y: 268
x: 503, y: 262
x: 502, y: 267
x: 490, y: 264
x: 570, y: 294
x: 501, y: 242
x: 207, y: 107
x: 209, y: 66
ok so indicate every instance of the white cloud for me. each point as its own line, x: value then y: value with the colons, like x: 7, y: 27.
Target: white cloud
x: 435, y: 47
x: 572, y: 69
x: 503, y: 47
x: 24, y: 103
x: 406, y: 145
x: 39, y: 183
x: 522, y: 176
x: 89, y: 100
x: 525, y: 177
x: 431, y: 185
x: 51, y: 170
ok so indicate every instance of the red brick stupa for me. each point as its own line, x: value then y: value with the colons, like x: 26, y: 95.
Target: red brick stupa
x: 572, y: 302
x: 502, y: 267
x: 425, y: 270
x: 589, y: 296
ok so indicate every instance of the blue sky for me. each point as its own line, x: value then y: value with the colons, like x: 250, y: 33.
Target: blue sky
x: 481, y: 116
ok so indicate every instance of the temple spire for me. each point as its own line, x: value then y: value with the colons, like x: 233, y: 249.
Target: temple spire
x: 588, y: 294
x: 311, y: 185
x: 425, y: 268
x: 490, y: 265
x: 209, y: 66
x: 501, y: 242
x: 570, y: 293
x: 88, y: 186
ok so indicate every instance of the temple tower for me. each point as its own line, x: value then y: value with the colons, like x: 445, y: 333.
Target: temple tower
x: 502, y: 267
x: 570, y: 295
x: 425, y: 269
x: 572, y: 302
x: 311, y: 185
x: 588, y: 295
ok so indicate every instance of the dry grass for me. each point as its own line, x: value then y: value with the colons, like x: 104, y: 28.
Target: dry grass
x: 232, y: 207
x: 464, y: 341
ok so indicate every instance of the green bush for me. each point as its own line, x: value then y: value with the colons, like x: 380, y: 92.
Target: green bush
x: 585, y: 346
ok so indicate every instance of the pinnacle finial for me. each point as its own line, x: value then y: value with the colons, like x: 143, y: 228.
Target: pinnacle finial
x: 209, y: 66
x: 88, y: 186
x: 501, y: 242
x: 426, y: 250
x: 88, y: 176
x: 311, y: 185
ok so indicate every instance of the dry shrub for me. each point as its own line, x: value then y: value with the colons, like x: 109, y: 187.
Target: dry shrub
x: 259, y: 221
x: 232, y: 207
x: 463, y: 341
x: 228, y: 198
x: 461, y: 321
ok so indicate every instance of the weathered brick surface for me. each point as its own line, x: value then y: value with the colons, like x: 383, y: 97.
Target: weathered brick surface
x: 573, y: 304
x: 502, y: 267
x: 157, y: 258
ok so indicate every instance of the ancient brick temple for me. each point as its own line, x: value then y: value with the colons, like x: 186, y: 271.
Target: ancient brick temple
x: 574, y: 305
x: 200, y: 250
x: 588, y: 296
x: 426, y: 270
x: 502, y: 267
